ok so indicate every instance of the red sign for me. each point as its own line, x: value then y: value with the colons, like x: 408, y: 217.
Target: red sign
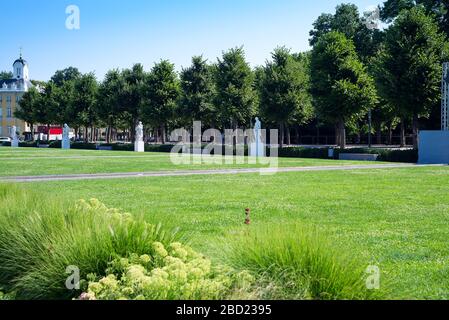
x: 55, y: 131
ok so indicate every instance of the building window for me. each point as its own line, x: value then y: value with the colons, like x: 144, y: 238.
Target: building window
x: 8, y: 99
x: 9, y: 112
x: 1, y: 100
x: 17, y: 99
x: 1, y: 112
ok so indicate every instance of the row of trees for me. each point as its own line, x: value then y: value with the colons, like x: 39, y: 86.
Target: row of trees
x: 228, y: 94
x: 353, y: 70
x: 392, y: 74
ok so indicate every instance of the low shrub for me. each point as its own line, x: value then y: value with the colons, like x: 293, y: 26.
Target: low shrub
x: 387, y: 155
x: 5, y: 296
x: 158, y: 148
x: 40, y: 238
x: 301, y: 152
x: 55, y: 144
x: 83, y: 146
x: 294, y: 262
x: 28, y: 144
x: 175, y: 272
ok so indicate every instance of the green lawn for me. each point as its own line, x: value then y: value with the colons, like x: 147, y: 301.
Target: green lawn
x: 27, y: 161
x: 393, y: 218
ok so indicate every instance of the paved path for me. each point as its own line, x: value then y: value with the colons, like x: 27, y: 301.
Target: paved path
x: 202, y: 172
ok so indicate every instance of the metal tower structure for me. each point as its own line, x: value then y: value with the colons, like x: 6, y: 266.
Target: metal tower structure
x: 445, y: 98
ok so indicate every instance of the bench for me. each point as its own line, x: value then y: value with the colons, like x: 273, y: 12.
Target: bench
x: 359, y: 156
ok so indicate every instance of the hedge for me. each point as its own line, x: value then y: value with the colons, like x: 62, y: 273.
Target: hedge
x: 387, y: 155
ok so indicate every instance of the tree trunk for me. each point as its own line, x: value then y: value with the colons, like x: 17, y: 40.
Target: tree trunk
x: 337, y: 135
x: 415, y: 131
x: 86, y: 132
x: 289, y: 140
x: 403, y: 142
x: 281, y: 136
x: 163, y: 134
x: 32, y: 132
x: 297, y: 135
x: 342, y: 130
x: 379, y: 136
x: 390, y: 134
x: 108, y: 133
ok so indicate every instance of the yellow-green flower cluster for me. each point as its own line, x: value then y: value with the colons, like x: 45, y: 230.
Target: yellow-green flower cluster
x: 170, y: 272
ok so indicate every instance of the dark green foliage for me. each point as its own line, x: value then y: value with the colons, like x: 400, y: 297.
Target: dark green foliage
x: 197, y: 93
x: 348, y: 21
x: 408, y: 69
x: 235, y: 99
x: 438, y: 8
x: 386, y: 155
x: 161, y: 91
x: 5, y: 75
x: 341, y: 87
x: 284, y: 90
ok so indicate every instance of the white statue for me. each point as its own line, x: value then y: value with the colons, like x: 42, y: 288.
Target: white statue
x: 139, y: 132
x: 14, y: 137
x: 139, y: 145
x: 257, y: 128
x: 257, y: 148
x: 66, y: 137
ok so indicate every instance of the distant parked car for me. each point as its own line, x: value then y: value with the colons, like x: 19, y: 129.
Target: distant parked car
x: 5, y: 139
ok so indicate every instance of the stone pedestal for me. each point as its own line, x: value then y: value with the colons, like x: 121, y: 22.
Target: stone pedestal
x: 139, y: 146
x: 66, y: 144
x: 257, y: 149
x: 15, y: 143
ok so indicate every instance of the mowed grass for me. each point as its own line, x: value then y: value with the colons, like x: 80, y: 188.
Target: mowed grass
x: 393, y: 218
x: 31, y: 162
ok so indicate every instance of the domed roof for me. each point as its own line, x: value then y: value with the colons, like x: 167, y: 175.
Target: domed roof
x: 20, y: 60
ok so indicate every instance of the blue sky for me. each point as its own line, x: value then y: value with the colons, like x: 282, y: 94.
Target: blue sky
x: 119, y: 33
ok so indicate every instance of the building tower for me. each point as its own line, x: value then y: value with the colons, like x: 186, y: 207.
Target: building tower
x: 11, y: 91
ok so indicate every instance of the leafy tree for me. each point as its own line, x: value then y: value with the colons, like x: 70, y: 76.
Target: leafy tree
x: 109, y: 106
x: 162, y: 94
x: 132, y: 95
x: 28, y: 108
x: 234, y: 79
x: 341, y: 87
x: 322, y: 25
x: 197, y: 93
x: 284, y: 91
x: 85, y: 100
x: 67, y: 74
x: 409, y: 66
x: 49, y: 108
x: 438, y: 8
x: 348, y: 21
x: 5, y: 75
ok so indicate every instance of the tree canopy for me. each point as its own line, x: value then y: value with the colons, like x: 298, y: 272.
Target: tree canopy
x: 341, y: 87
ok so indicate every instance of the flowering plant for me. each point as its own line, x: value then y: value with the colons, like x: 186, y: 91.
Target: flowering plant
x: 175, y: 272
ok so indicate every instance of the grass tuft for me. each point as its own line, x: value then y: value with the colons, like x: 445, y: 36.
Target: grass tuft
x: 296, y: 262
x: 40, y: 238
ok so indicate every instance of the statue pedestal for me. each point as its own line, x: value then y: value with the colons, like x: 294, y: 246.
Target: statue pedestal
x: 257, y: 149
x: 65, y: 144
x: 139, y: 146
x: 14, y: 143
